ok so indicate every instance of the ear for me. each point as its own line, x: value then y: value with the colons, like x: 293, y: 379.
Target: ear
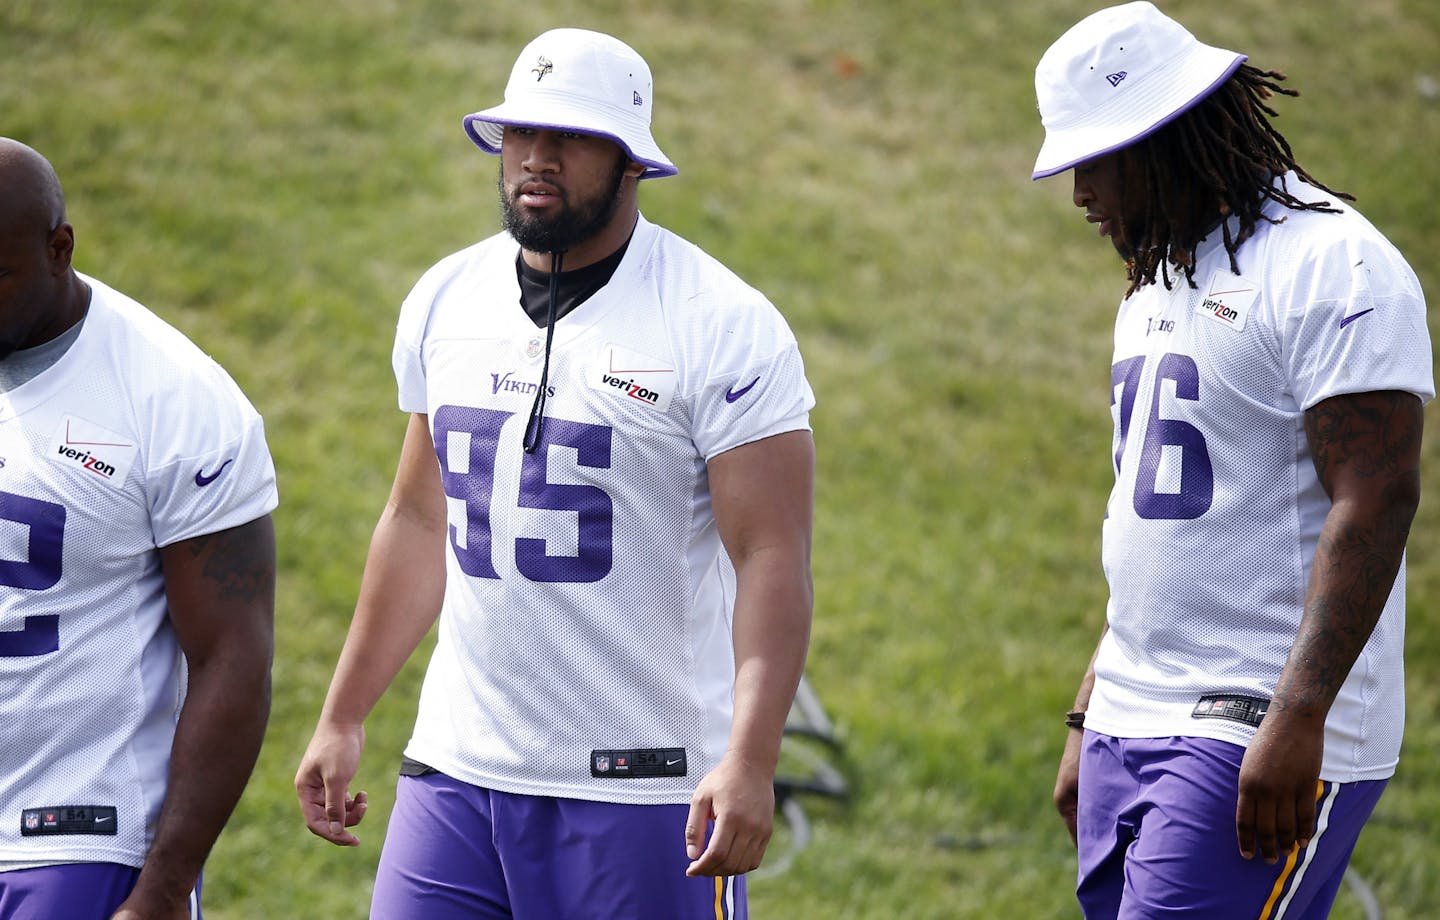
x: 61, y: 249
x: 635, y: 170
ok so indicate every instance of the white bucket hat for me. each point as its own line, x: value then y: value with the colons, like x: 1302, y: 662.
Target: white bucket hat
x: 576, y: 80
x: 1117, y: 76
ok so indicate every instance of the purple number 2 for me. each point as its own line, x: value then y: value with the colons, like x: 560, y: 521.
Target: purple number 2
x: 39, y: 570
x: 1197, y: 476
x: 471, y: 479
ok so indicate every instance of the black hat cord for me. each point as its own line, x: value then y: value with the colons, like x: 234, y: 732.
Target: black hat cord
x: 534, y: 427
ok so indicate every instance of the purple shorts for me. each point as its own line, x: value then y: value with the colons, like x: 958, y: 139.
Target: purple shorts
x: 75, y: 891
x: 459, y: 852
x: 1156, y: 828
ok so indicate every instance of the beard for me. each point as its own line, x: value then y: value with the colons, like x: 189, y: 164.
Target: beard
x: 577, y: 222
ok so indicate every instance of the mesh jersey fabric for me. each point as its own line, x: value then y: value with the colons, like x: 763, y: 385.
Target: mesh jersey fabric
x: 587, y: 603
x: 101, y: 460
x: 1216, y: 508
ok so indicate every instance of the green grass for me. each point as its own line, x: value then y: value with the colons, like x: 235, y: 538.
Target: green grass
x: 273, y: 177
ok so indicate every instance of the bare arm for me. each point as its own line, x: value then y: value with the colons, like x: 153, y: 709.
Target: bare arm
x: 1067, y: 779
x: 221, y: 592
x: 400, y: 596
x: 1367, y: 455
x: 763, y: 496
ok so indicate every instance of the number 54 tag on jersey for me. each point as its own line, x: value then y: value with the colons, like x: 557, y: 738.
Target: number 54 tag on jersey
x: 93, y: 450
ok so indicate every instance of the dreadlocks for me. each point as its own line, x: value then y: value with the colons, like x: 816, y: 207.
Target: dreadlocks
x: 1218, y: 159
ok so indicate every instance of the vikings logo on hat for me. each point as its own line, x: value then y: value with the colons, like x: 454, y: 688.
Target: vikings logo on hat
x: 587, y: 95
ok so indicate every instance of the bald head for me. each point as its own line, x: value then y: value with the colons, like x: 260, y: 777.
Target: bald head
x: 42, y: 296
x: 30, y: 193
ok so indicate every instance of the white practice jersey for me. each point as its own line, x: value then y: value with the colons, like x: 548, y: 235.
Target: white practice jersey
x: 1217, y: 507
x: 132, y: 441
x: 584, y: 645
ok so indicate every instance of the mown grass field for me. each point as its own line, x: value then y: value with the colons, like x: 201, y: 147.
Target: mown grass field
x: 272, y: 178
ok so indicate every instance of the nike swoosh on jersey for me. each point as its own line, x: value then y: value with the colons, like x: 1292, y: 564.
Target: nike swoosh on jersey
x: 202, y: 480
x: 733, y: 394
x: 1354, y: 316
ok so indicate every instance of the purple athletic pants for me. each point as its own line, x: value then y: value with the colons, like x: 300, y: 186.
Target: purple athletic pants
x: 459, y: 852
x: 74, y: 891
x: 1156, y: 828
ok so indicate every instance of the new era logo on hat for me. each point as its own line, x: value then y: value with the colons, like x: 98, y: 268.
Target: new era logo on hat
x: 577, y: 80
x: 1117, y: 76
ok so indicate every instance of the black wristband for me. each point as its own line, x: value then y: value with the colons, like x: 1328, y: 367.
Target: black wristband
x: 1075, y: 718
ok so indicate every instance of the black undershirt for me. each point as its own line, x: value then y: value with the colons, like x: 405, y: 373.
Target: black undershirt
x: 575, y: 287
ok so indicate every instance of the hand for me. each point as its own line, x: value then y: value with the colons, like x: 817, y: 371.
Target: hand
x: 1278, y: 784
x: 323, y: 783
x: 1067, y: 781
x: 740, y: 797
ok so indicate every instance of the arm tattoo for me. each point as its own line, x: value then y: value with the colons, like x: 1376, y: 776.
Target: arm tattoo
x: 240, y: 561
x: 1367, y: 446
x: 1371, y: 432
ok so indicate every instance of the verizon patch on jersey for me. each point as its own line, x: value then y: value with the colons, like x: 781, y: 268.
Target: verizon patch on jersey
x: 98, y: 452
x: 634, y: 377
x: 68, y: 819
x: 1228, y: 299
x: 637, y: 763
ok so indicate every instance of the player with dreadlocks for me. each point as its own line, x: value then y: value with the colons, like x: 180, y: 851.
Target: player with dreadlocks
x: 1216, y: 159
x: 1247, y: 696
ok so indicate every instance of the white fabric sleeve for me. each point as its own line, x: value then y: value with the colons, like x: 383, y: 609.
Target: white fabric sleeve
x: 755, y: 388
x: 406, y: 358
x: 1356, y: 323
x: 219, y: 476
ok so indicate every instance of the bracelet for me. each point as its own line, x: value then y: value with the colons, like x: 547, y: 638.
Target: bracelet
x: 1075, y: 718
